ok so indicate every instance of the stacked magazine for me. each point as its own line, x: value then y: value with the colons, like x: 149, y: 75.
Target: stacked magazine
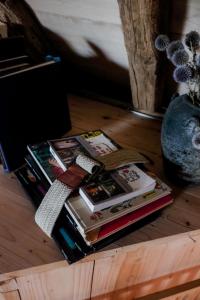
x: 103, y: 208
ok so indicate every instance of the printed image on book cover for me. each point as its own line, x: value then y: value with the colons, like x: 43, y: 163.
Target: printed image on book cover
x: 117, y: 186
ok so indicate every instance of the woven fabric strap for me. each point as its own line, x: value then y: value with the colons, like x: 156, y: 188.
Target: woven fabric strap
x: 51, y: 205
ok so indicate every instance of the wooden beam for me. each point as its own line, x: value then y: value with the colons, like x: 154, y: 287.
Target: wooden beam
x: 142, y: 21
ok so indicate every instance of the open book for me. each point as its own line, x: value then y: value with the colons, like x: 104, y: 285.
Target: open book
x: 114, y: 187
x: 95, y: 144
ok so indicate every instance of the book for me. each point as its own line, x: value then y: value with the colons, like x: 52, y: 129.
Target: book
x: 112, y: 227
x: 111, y: 188
x: 68, y: 239
x: 45, y: 160
x: 98, y: 143
x: 86, y: 220
x: 65, y: 150
x: 79, y: 231
x: 95, y: 144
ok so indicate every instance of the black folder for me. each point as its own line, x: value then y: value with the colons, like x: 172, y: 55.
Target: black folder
x: 33, y: 107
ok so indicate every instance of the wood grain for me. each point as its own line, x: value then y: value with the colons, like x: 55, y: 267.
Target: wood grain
x: 131, y: 272
x: 141, y: 24
x: 22, y: 243
x: 13, y: 295
x: 73, y: 283
x: 192, y: 294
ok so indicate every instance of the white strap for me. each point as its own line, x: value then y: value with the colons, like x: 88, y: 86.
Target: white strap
x: 87, y: 163
x: 52, y: 203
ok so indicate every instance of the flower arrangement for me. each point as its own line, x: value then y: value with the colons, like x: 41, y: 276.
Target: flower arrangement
x: 186, y: 59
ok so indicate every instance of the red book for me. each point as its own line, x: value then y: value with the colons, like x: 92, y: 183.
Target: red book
x: 116, y: 225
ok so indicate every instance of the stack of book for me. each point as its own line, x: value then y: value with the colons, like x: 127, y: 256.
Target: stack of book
x: 103, y: 208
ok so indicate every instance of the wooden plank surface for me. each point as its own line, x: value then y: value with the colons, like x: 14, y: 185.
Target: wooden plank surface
x: 22, y: 243
x: 73, y: 283
x: 132, y: 272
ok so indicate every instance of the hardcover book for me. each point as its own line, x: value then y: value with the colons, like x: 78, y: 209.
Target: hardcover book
x: 87, y: 220
x: 111, y: 188
x: 112, y: 227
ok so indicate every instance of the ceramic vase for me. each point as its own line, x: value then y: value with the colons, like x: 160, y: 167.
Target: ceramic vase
x: 180, y: 140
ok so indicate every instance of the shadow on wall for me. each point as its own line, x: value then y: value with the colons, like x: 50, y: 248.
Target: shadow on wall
x: 95, y: 76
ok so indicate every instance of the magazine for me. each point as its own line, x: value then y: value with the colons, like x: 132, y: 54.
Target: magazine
x: 87, y: 221
x: 114, y: 187
x: 98, y: 143
x: 66, y: 150
x: 93, y: 143
x: 45, y: 160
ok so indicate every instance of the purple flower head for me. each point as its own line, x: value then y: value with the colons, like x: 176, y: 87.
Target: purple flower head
x: 192, y: 39
x: 173, y: 47
x: 161, y: 42
x: 182, y: 74
x: 180, y: 57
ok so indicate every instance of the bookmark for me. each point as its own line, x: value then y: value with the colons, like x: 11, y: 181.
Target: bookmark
x: 52, y: 203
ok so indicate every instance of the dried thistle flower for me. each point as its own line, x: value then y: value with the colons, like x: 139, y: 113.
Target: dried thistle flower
x: 180, y: 57
x: 161, y: 42
x: 192, y: 39
x: 173, y: 47
x: 182, y: 73
x: 187, y: 61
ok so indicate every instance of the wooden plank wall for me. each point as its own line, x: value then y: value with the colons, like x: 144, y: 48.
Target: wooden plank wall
x: 93, y: 34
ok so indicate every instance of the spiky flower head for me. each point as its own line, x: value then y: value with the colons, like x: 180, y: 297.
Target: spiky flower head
x: 161, y: 42
x: 173, y: 47
x: 180, y: 57
x: 182, y: 74
x: 192, y: 39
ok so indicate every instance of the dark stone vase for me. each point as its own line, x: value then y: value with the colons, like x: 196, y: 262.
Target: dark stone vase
x: 180, y: 140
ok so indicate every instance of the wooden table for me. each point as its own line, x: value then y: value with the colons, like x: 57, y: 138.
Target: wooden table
x: 23, y: 244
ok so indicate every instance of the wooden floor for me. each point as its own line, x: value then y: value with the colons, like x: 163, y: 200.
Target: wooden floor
x: 22, y: 243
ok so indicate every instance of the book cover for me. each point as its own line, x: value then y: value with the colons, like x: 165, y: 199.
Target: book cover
x: 98, y: 143
x: 87, y: 220
x: 115, y: 187
x: 65, y: 150
x: 45, y: 160
x: 106, y: 230
x: 31, y: 164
